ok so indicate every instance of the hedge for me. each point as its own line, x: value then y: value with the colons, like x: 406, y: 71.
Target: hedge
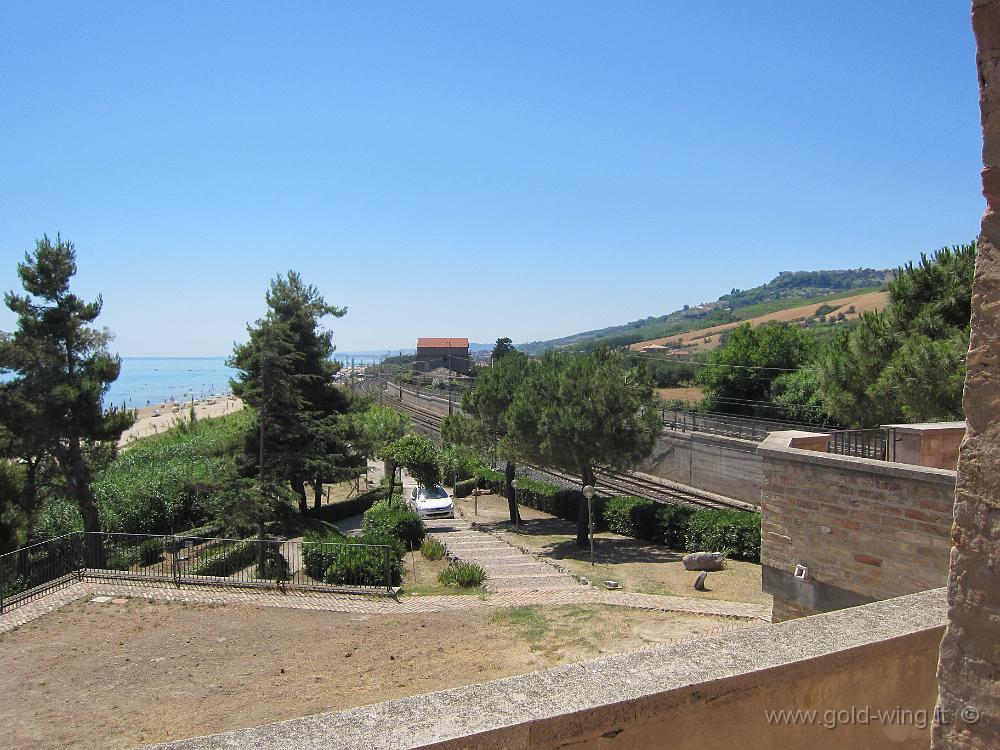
x: 315, y: 556
x: 563, y: 502
x: 224, y: 560
x: 735, y: 533
x: 395, y: 520
x: 146, y: 552
x: 672, y: 525
x: 632, y: 516
x: 357, y: 564
x: 207, y: 531
x: 348, y: 508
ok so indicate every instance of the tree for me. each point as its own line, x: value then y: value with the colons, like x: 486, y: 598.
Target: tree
x: 13, y: 519
x: 576, y: 413
x: 737, y: 376
x: 380, y: 427
x: 334, y: 455
x: 419, y: 456
x: 906, y: 363
x: 797, y: 397
x: 502, y: 348
x: 287, y: 372
x: 62, y: 370
x: 487, y: 404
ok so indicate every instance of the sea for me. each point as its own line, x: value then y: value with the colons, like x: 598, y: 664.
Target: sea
x: 151, y: 381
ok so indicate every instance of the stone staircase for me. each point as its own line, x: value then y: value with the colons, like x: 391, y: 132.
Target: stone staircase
x: 507, y: 568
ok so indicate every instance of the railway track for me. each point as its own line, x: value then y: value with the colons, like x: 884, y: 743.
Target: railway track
x: 658, y: 490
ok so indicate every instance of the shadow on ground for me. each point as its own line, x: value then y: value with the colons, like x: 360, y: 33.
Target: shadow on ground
x: 610, y: 550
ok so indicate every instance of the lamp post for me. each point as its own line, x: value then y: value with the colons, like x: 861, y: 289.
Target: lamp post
x: 588, y: 492
x: 517, y: 514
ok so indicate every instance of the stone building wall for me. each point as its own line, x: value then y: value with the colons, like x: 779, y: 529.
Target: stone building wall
x: 969, y: 668
x: 866, y: 530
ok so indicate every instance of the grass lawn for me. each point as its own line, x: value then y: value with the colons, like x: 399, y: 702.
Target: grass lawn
x: 637, y: 565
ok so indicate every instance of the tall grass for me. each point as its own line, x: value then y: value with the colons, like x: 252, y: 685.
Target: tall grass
x: 160, y: 484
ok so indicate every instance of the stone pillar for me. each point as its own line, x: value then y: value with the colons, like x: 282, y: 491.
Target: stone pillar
x: 969, y: 666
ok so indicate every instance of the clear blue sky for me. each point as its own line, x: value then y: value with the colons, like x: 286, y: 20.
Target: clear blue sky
x: 477, y: 169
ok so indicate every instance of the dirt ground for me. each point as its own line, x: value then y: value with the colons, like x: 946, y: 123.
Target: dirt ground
x: 638, y: 566
x: 100, y: 676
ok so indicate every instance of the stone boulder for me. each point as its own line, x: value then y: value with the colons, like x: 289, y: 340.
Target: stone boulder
x: 704, y: 561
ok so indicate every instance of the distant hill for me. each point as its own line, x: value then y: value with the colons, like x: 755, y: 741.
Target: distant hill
x: 787, y: 290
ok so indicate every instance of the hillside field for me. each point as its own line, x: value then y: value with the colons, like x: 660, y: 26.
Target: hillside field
x: 706, y: 339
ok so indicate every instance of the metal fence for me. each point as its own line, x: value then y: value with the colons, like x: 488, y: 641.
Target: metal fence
x: 878, y: 443
x: 38, y: 569
x: 747, y: 428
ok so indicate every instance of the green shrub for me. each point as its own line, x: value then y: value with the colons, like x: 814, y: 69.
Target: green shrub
x: 224, y: 560
x: 492, y: 480
x: 632, y: 516
x: 464, y: 574
x: 672, y: 525
x: 395, y: 520
x: 562, y: 502
x: 316, y: 556
x: 125, y: 556
x: 352, y: 561
x: 432, y: 549
x: 356, y: 562
x: 735, y: 533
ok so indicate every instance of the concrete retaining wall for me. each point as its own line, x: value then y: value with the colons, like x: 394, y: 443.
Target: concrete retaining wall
x: 723, y: 465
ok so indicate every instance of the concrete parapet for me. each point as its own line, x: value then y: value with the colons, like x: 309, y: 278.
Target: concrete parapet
x: 933, y: 444
x: 712, y: 692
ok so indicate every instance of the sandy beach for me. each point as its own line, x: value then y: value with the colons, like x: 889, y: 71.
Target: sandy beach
x: 156, y: 419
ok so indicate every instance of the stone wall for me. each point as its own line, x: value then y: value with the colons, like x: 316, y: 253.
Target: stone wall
x: 969, y: 671
x: 866, y: 530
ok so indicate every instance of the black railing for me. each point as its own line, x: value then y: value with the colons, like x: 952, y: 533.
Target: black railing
x: 878, y: 443
x: 747, y: 428
x: 36, y: 570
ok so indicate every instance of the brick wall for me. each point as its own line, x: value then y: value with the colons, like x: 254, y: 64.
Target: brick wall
x: 867, y: 530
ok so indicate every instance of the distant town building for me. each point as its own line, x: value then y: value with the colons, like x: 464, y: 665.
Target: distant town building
x: 452, y: 354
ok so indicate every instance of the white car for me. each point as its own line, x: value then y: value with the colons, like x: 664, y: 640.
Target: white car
x: 432, y: 503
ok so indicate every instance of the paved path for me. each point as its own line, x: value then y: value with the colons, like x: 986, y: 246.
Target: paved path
x: 366, y: 604
x: 507, y: 568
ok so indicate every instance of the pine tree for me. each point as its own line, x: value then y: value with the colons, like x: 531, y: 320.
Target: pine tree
x: 287, y: 373
x: 62, y: 370
x: 578, y: 413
